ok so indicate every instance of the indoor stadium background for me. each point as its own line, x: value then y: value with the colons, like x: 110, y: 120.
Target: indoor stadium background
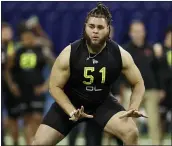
x: 63, y: 22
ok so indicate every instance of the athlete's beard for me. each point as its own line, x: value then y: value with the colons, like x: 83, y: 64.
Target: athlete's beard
x: 96, y: 47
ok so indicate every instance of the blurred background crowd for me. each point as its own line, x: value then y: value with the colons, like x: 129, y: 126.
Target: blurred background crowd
x: 144, y: 29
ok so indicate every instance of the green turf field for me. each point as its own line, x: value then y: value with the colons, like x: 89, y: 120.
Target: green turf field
x: 144, y: 140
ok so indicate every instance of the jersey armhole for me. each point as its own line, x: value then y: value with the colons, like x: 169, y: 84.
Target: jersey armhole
x: 120, y: 56
x: 74, y: 46
x: 116, y: 49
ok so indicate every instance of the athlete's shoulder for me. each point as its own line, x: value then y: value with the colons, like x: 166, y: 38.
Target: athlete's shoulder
x: 63, y: 58
x: 66, y: 50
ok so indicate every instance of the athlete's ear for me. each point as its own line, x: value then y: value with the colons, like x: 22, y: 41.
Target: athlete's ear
x: 109, y: 30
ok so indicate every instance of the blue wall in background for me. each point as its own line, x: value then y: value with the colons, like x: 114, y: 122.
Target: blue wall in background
x: 63, y: 21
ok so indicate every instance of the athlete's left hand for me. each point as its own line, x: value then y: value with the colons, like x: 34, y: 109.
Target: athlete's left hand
x: 133, y: 113
x: 40, y: 89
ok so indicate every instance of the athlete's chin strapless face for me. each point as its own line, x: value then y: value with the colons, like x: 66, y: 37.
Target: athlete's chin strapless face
x: 97, y: 30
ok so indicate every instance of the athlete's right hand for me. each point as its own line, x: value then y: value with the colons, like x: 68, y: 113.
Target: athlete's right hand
x: 78, y: 114
x: 15, y: 89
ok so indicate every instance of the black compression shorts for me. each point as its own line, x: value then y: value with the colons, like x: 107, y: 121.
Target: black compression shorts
x: 59, y: 120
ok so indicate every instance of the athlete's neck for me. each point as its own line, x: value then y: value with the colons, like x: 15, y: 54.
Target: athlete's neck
x: 95, y: 50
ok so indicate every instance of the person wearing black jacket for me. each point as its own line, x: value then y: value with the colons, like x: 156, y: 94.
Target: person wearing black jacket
x: 143, y: 56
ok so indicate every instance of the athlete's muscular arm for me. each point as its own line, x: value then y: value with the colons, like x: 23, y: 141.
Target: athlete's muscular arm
x: 59, y: 76
x: 133, y: 75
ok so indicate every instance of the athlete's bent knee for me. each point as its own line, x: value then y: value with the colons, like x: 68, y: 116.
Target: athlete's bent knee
x: 131, y: 136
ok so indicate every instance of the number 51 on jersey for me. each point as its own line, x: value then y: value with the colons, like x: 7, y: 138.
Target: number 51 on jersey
x: 89, y: 70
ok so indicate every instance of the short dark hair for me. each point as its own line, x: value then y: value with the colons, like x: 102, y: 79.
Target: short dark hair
x: 100, y: 11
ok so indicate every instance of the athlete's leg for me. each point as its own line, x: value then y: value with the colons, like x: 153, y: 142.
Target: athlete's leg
x: 125, y: 129
x: 55, y: 126
x: 46, y: 135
